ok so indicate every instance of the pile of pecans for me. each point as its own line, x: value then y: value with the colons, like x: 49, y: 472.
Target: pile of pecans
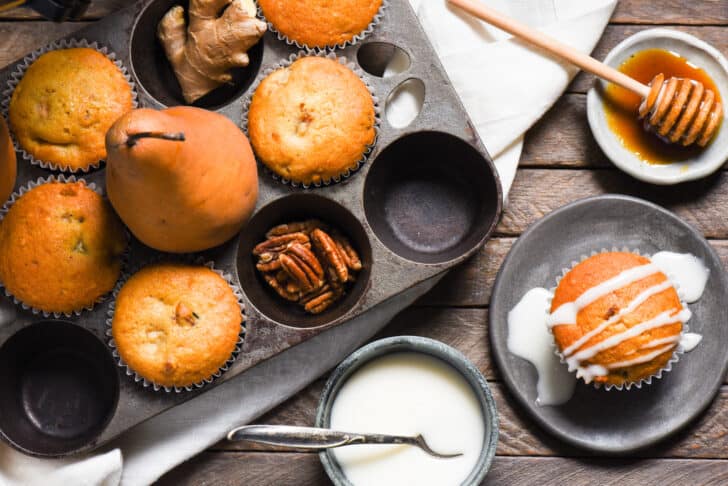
x: 307, y: 262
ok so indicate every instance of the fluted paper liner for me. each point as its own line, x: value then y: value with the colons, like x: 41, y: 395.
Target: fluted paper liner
x: 247, y: 100
x: 311, y: 49
x: 188, y: 260
x: 18, y: 74
x: 678, y: 351
x: 27, y: 188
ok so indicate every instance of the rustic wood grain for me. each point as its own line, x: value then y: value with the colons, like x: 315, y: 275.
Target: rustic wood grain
x: 98, y: 9
x: 240, y: 468
x: 671, y: 12
x: 537, y: 192
x: 19, y: 38
x: 470, y: 284
x: 557, y: 151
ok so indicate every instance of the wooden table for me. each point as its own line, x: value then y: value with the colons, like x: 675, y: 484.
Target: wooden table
x: 561, y: 163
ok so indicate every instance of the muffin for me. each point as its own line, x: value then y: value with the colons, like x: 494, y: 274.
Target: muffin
x: 176, y: 325
x: 617, y: 319
x: 313, y: 121
x: 64, y: 104
x: 61, y: 247
x: 320, y: 23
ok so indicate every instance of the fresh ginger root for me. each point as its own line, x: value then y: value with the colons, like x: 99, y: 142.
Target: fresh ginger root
x: 203, y: 53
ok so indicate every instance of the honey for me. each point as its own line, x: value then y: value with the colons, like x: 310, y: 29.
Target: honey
x: 621, y: 106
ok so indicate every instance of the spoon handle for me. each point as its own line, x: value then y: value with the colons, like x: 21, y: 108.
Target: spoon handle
x: 309, y: 437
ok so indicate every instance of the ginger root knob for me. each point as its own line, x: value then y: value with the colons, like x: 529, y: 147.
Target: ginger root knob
x: 218, y: 37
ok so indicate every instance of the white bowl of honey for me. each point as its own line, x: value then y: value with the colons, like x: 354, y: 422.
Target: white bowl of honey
x: 612, y: 110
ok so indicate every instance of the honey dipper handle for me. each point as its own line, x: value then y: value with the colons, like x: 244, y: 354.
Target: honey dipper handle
x: 518, y: 29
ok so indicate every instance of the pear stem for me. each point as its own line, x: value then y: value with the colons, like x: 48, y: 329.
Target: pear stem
x: 174, y: 137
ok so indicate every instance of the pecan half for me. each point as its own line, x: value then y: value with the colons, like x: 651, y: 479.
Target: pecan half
x: 328, y: 251
x: 277, y: 244
x: 298, y: 227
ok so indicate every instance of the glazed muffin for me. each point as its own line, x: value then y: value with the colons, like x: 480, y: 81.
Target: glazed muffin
x: 64, y: 105
x: 617, y: 319
x: 313, y: 121
x: 61, y: 247
x: 320, y: 23
x: 176, y: 325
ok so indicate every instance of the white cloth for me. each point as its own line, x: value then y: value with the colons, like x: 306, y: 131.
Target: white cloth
x: 506, y: 87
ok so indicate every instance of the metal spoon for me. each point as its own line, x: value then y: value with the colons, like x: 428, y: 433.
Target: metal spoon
x: 316, y: 439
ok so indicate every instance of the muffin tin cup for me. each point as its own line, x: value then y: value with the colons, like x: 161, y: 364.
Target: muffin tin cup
x: 18, y: 74
x: 351, y: 42
x: 352, y: 65
x: 427, y: 198
x: 677, y: 352
x: 189, y: 260
x: 32, y: 185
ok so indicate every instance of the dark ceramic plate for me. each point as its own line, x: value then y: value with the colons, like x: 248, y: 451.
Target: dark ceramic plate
x: 613, y: 422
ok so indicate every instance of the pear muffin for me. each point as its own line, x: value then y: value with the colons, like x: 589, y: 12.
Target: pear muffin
x: 616, y: 319
x: 176, y: 325
x: 313, y: 121
x: 61, y: 247
x: 64, y: 104
x: 320, y: 23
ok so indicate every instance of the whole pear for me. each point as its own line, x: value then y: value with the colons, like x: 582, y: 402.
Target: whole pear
x: 182, y: 179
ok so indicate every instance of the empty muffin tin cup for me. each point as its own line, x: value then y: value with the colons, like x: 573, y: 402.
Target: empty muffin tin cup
x: 431, y: 197
x: 155, y: 76
x: 412, y: 344
x: 288, y: 209
x: 58, y: 388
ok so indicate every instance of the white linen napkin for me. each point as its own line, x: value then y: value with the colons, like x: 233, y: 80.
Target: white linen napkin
x: 505, y: 87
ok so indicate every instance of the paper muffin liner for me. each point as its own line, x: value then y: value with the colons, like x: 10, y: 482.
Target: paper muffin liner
x: 247, y: 100
x: 27, y: 188
x: 20, y: 71
x: 351, y: 42
x: 188, y: 260
x: 677, y: 351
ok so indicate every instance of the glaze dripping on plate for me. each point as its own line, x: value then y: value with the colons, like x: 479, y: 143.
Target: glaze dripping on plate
x: 529, y: 324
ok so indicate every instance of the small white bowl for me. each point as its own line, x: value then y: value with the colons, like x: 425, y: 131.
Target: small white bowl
x: 698, y: 52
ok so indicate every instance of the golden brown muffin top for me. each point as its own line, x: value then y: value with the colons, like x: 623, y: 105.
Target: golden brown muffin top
x: 60, y: 247
x: 64, y: 105
x: 320, y: 23
x: 312, y: 121
x: 176, y: 324
x: 642, y: 301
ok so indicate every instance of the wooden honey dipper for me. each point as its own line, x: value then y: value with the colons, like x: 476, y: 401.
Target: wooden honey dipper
x: 678, y: 110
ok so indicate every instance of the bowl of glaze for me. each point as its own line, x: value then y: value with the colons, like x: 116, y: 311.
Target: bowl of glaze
x: 696, y: 51
x: 389, y: 347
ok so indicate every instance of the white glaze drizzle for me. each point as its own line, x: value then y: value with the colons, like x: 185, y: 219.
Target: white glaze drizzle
x: 686, y: 270
x: 530, y: 339
x: 525, y: 338
x: 566, y: 313
x: 642, y: 359
x: 631, y: 307
x: 689, y: 340
x: 661, y: 319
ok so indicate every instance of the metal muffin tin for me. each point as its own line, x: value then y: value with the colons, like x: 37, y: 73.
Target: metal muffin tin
x: 427, y: 198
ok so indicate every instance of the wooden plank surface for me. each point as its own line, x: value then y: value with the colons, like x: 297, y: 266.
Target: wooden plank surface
x: 224, y: 469
x: 561, y: 163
